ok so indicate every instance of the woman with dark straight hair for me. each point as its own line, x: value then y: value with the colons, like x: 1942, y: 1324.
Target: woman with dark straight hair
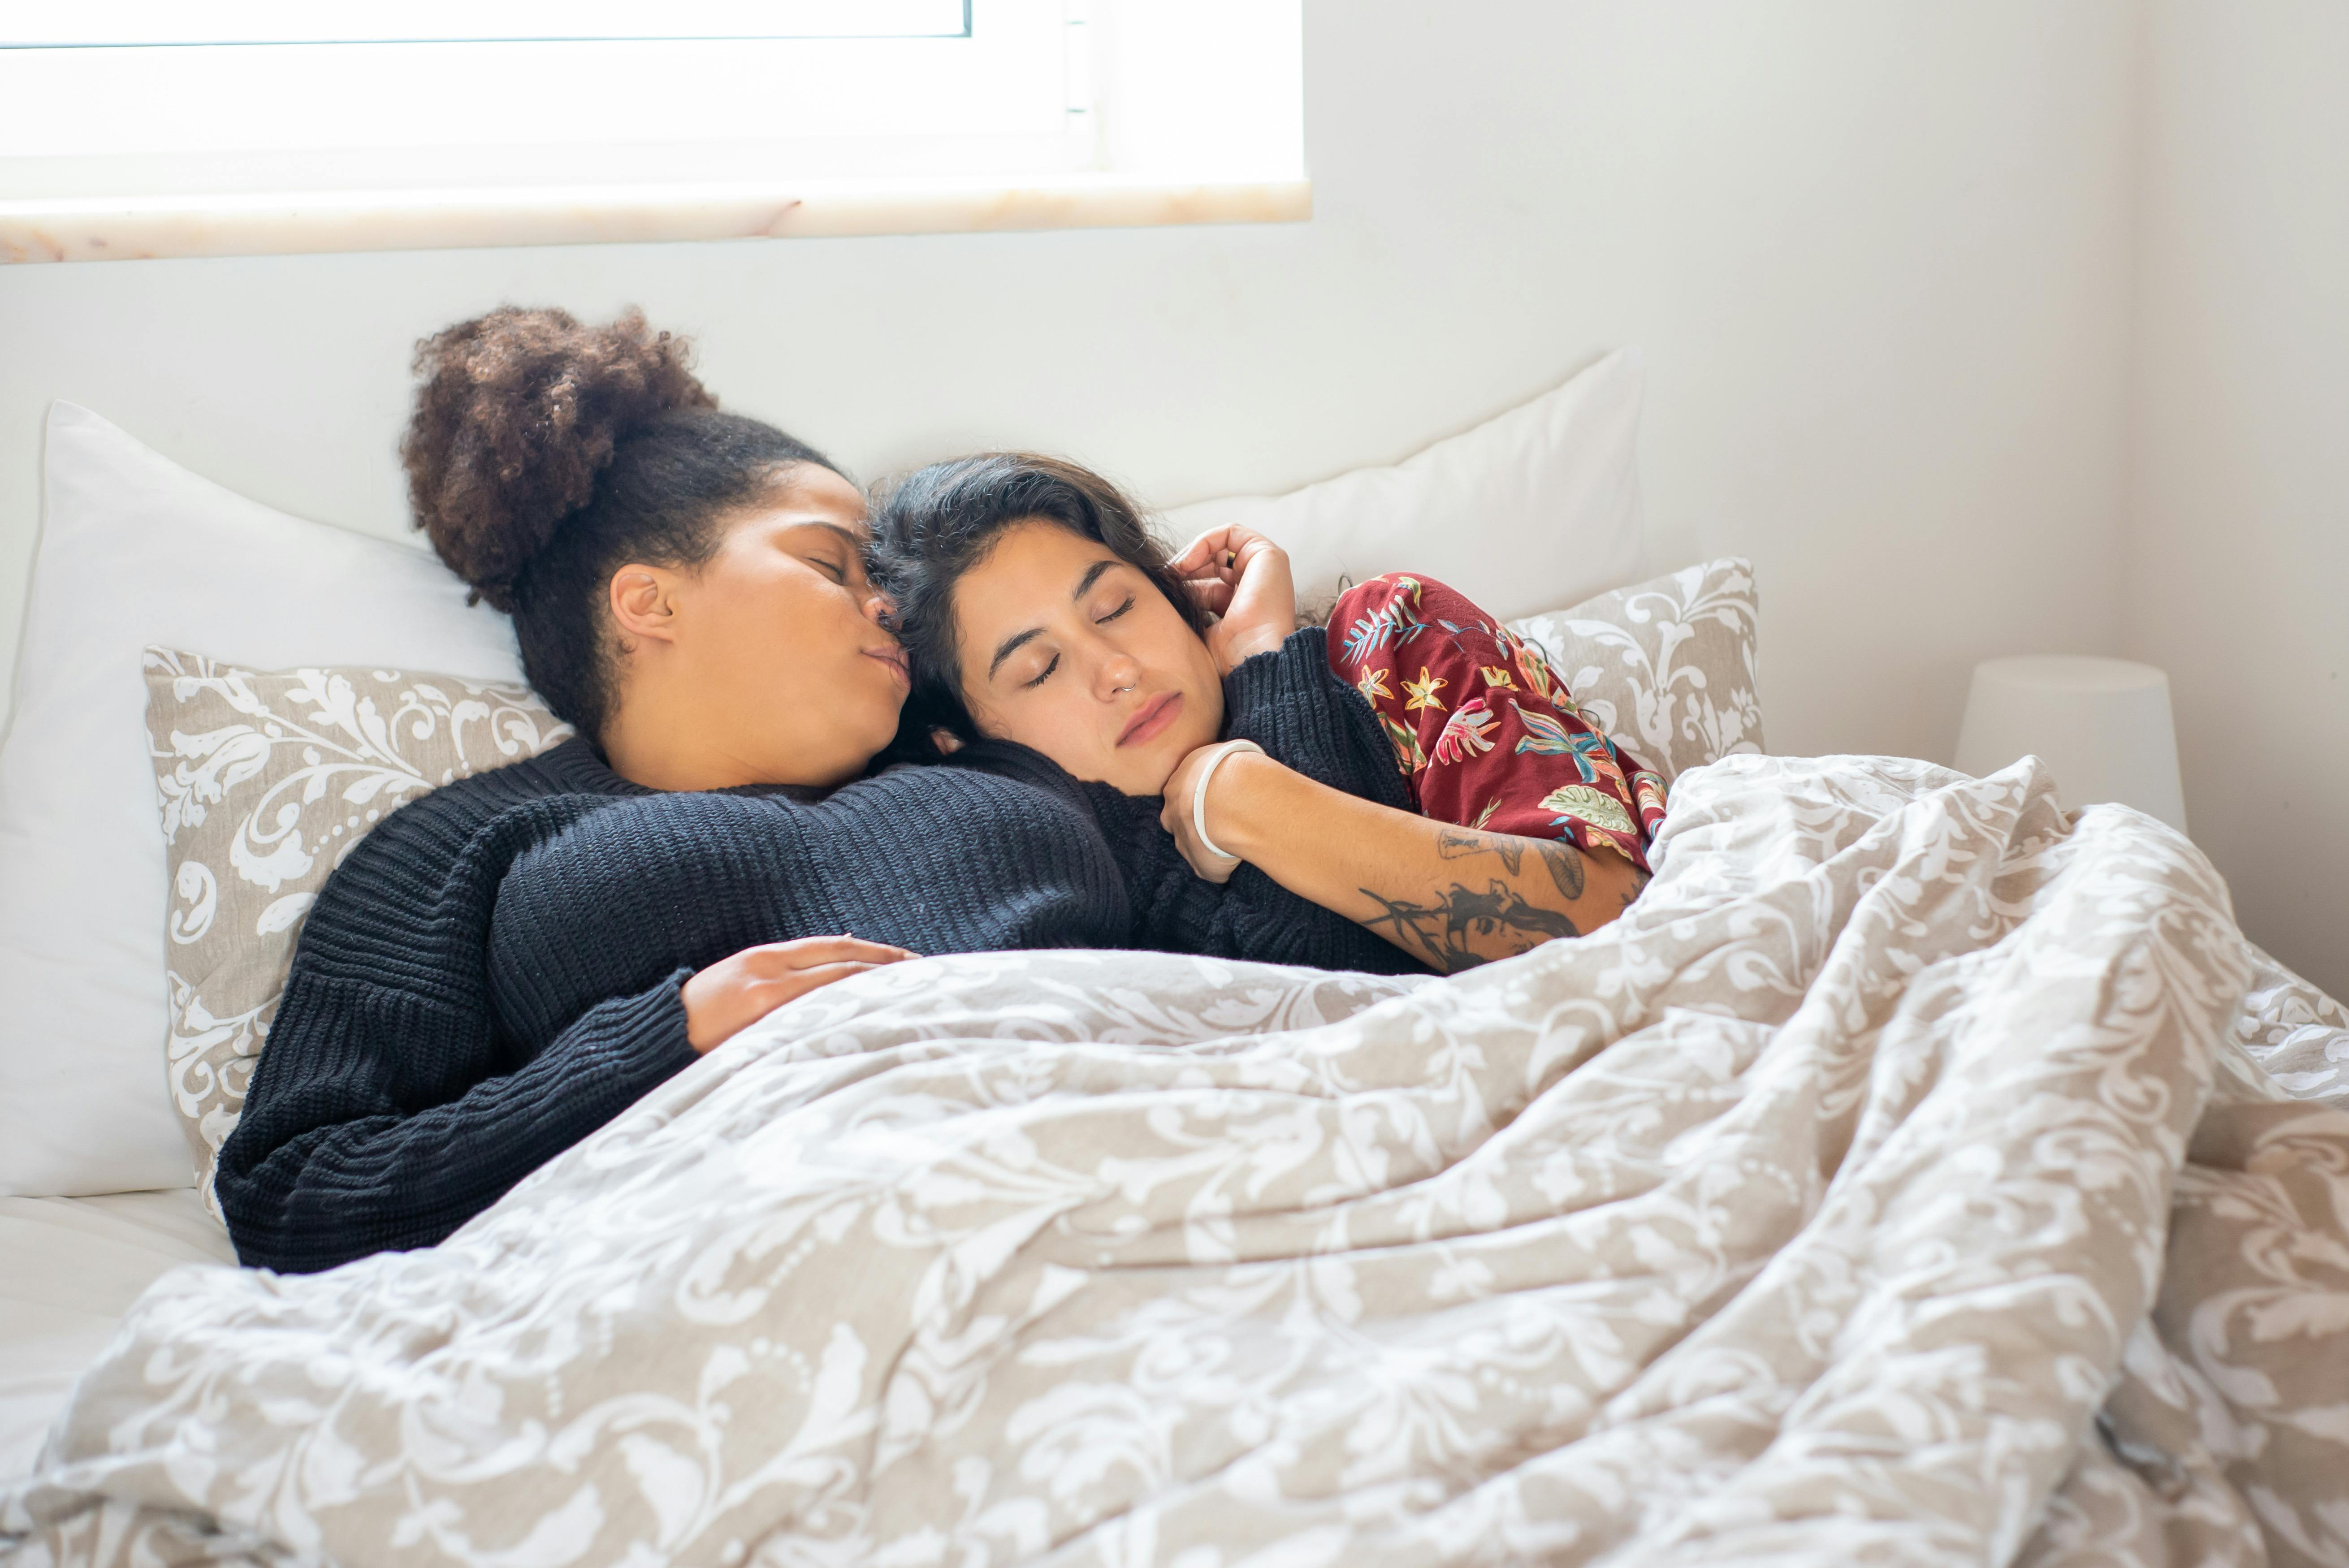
x: 1465, y: 815
x: 505, y: 964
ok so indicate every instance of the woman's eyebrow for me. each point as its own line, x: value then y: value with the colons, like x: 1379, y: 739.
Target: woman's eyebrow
x: 1010, y: 646
x: 1092, y: 575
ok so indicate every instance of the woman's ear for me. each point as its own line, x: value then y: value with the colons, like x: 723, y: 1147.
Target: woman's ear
x: 643, y: 605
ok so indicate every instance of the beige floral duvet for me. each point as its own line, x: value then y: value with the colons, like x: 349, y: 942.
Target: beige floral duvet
x: 1896, y: 1183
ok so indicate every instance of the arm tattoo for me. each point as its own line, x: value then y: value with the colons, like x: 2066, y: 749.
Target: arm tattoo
x: 1563, y: 859
x: 1439, y: 932
x: 1453, y: 843
x: 1559, y: 857
x: 1640, y: 881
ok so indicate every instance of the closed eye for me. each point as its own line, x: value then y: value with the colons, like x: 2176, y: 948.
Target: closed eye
x: 1113, y: 614
x: 1045, y: 674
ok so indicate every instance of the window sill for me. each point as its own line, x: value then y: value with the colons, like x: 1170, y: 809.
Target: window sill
x: 300, y: 223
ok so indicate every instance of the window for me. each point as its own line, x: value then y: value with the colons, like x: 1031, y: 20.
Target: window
x: 289, y: 124
x: 157, y: 23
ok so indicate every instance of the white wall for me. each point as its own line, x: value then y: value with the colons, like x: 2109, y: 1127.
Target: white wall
x: 1874, y: 249
x: 2238, y: 555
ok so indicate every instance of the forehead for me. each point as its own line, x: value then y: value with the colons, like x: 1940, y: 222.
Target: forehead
x: 1024, y: 578
x: 814, y: 485
x: 809, y: 493
x: 1038, y: 547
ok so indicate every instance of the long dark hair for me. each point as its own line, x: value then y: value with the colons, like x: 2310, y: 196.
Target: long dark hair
x: 939, y: 522
x: 544, y: 456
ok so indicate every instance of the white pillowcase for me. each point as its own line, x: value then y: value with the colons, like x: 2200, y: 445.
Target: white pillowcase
x: 1534, y: 507
x: 136, y: 550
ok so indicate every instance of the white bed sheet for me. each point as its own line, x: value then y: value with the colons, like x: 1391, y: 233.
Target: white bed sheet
x: 70, y: 1270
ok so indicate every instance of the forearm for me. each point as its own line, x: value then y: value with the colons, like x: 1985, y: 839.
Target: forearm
x: 1451, y: 897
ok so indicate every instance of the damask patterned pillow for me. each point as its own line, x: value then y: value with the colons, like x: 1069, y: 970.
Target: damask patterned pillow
x: 1666, y: 667
x: 267, y: 780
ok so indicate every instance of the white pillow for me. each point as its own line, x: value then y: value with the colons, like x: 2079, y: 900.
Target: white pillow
x: 134, y: 551
x: 1534, y: 507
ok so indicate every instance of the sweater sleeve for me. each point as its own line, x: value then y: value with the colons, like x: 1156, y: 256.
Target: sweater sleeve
x: 386, y: 1111
x: 1288, y: 702
x: 1250, y: 917
x: 343, y: 1163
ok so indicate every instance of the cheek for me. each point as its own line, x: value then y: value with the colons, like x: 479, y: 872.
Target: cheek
x: 1204, y: 663
x: 1188, y: 653
x: 1056, y: 720
x: 1049, y: 721
x: 789, y: 618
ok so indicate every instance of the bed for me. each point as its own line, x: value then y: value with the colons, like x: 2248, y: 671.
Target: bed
x: 1896, y: 1180
x: 1919, y: 1171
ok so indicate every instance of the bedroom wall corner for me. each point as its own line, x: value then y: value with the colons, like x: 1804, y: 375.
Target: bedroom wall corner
x: 2237, y: 555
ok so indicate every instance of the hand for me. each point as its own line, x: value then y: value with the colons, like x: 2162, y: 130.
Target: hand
x: 1240, y: 575
x: 1176, y: 815
x: 735, y: 993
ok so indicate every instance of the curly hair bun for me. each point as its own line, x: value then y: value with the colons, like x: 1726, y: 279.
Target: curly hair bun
x: 519, y: 411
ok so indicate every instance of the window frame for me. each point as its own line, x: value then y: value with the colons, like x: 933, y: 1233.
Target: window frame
x: 161, y: 24
x: 1001, y: 128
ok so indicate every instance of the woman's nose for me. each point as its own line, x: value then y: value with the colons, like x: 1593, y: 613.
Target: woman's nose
x: 1117, y: 674
x: 879, y: 608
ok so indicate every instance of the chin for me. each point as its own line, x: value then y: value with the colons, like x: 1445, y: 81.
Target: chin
x: 1151, y: 783
x: 1151, y: 774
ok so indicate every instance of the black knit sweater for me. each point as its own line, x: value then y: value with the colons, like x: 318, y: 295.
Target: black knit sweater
x: 493, y: 972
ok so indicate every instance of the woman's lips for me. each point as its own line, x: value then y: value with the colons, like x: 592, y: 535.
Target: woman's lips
x: 895, y: 659
x: 1151, y: 721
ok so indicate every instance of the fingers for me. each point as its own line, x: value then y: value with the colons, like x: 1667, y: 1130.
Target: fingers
x: 776, y: 958
x: 1211, y: 595
x: 738, y: 990
x: 1174, y: 816
x: 1210, y: 546
x: 799, y: 982
x: 1222, y: 552
x: 1206, y: 866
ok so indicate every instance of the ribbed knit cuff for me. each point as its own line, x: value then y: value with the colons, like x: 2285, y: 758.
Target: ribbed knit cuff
x: 619, y: 1051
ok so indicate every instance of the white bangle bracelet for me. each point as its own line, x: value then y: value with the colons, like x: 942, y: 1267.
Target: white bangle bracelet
x: 1199, y: 794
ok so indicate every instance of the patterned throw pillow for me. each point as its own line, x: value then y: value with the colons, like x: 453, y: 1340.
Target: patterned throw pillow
x: 267, y: 780
x: 1666, y: 667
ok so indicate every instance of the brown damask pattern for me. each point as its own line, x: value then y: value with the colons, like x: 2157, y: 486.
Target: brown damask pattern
x: 2299, y: 1035
x: 1665, y: 666
x: 266, y: 780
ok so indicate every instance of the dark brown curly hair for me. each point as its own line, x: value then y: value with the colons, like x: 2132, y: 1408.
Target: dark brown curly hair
x: 544, y: 456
